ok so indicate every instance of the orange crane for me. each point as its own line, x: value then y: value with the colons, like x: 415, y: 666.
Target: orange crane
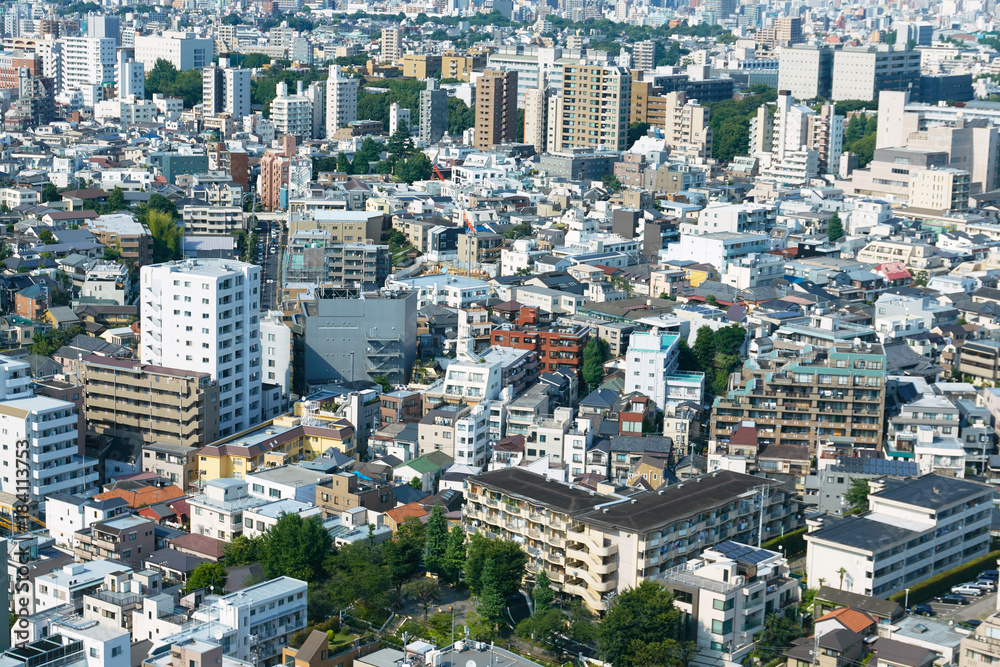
x: 437, y: 171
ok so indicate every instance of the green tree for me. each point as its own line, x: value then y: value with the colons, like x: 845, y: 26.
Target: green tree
x: 779, y: 632
x: 492, y: 601
x: 461, y: 117
x: 454, y: 555
x: 835, y: 228
x: 710, y: 300
x: 436, y: 546
x: 47, y: 237
x: 642, y: 615
x: 593, y: 363
x: 729, y: 340
x: 116, y: 202
x: 542, y: 592
x: 611, y: 183
x: 242, y: 550
x: 166, y: 236
x: 864, y: 148
x: 635, y: 131
x: 383, y: 381
x: 544, y: 627
x: 158, y: 202
x: 855, y: 129
x: 400, y: 144
x: 50, y: 193
x: 857, y: 495
x: 920, y: 279
x: 704, y: 347
x: 424, y: 591
x: 208, y: 576
x: 416, y: 167
x: 296, y: 547
x: 403, y: 554
x: 343, y: 164
x: 509, y: 566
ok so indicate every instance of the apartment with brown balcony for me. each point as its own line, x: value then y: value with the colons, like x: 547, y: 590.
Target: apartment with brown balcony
x: 596, y: 544
x: 128, y: 539
x: 824, y: 392
x: 145, y: 404
x: 347, y: 491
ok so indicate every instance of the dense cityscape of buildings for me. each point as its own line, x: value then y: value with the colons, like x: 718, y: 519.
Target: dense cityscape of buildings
x: 700, y: 295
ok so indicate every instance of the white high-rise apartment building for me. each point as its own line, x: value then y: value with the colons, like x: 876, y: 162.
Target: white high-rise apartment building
x: 182, y: 49
x: 398, y: 117
x: 87, y: 64
x: 292, y: 114
x: 391, y: 44
x: 316, y: 93
x: 236, y: 84
x: 341, y: 100
x: 52, y: 454
x: 203, y: 315
x: 131, y: 75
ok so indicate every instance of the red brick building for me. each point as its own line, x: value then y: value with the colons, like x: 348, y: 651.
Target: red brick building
x: 556, y: 345
x: 31, y: 302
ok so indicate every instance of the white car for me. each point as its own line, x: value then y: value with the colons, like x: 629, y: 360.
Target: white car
x: 967, y: 589
x: 270, y: 281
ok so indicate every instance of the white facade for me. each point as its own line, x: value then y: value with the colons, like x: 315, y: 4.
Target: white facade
x: 261, y: 519
x: 69, y: 584
x: 921, y: 528
x: 286, y: 483
x: 103, y: 646
x: 131, y: 77
x: 87, y: 63
x: 182, y: 49
x: 276, y: 348
x: 718, y: 249
x: 650, y: 359
x: 341, y: 100
x: 107, y: 281
x: 52, y: 457
x: 472, y: 436
x: 292, y: 114
x: 202, y: 315
x: 65, y: 514
x: 218, y: 512
x: 236, y: 84
x: 398, y: 118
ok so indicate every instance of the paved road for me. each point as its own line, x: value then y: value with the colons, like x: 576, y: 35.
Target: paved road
x: 980, y: 608
x: 269, y: 248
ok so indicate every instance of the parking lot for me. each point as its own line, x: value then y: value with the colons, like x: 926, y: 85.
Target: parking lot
x: 978, y: 608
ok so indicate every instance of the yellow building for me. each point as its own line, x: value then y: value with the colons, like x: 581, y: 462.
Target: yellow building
x: 421, y: 67
x: 460, y: 66
x: 699, y: 273
x: 378, y: 205
x: 283, y: 440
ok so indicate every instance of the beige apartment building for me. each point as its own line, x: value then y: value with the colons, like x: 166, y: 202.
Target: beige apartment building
x: 915, y: 256
x: 143, y: 404
x: 595, y: 545
x: 391, y: 44
x: 686, y: 127
x: 174, y: 461
x: 982, y: 647
x: 595, y: 107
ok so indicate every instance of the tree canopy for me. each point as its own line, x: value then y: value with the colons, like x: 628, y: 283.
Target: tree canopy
x: 642, y: 628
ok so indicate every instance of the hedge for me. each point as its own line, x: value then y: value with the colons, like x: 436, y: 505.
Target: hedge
x: 942, y: 583
x: 794, y: 543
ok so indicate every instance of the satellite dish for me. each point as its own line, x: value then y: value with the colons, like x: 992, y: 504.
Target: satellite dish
x: 470, y: 663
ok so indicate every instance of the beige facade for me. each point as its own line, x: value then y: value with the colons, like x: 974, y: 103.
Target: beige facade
x: 391, y: 43
x: 595, y: 101
x: 940, y: 190
x: 144, y: 404
x: 596, y: 545
x: 174, y: 461
x: 686, y: 127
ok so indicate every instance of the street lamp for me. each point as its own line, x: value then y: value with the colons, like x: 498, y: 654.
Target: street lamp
x: 906, y: 602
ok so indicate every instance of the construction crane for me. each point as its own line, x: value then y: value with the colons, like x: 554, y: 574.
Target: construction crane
x: 437, y: 171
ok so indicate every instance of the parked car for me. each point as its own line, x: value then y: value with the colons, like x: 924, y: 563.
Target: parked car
x: 953, y: 598
x: 923, y: 609
x: 987, y: 585
x: 992, y: 575
x: 967, y: 589
x: 971, y: 624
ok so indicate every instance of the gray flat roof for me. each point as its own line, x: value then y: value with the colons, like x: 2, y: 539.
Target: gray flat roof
x: 933, y: 491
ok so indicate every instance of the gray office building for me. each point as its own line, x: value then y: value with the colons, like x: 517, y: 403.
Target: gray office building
x: 433, y: 112
x: 350, y: 335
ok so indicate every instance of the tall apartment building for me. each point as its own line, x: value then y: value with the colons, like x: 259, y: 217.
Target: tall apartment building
x: 87, y: 65
x: 130, y: 75
x: 292, y: 114
x: 283, y: 174
x: 496, y: 109
x: 107, y: 26
x: 391, y: 44
x: 226, y: 90
x: 644, y: 55
x: 686, y: 128
x: 341, y: 100
x: 940, y: 190
x: 536, y: 116
x: 914, y: 529
x: 806, y: 71
x: 595, y: 107
x: 860, y: 73
x: 826, y: 392
x: 143, y: 404
x: 181, y: 49
x: 596, y: 545
x: 825, y: 135
x: 399, y: 118
x: 786, y: 31
x: 202, y: 315
x: 433, y: 112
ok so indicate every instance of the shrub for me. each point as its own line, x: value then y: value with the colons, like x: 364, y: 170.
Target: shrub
x: 942, y: 583
x: 794, y: 543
